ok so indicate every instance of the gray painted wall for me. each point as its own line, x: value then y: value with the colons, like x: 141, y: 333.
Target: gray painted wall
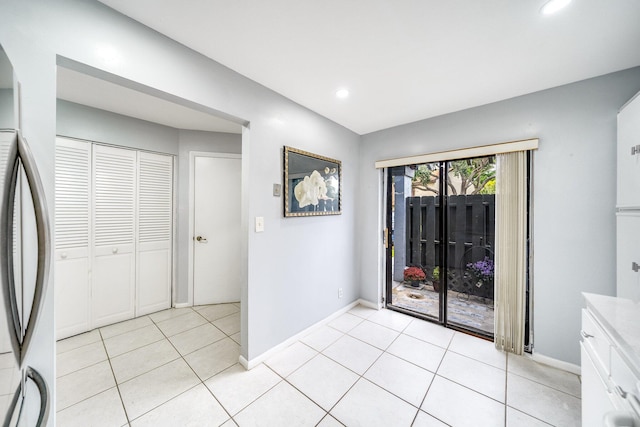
x: 191, y: 140
x: 6, y: 109
x: 574, y: 191
x: 292, y: 271
x: 79, y: 121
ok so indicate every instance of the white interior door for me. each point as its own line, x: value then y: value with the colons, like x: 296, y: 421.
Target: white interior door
x: 113, y: 278
x: 216, y: 237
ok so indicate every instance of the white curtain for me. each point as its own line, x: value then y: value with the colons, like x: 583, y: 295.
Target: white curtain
x: 511, y: 252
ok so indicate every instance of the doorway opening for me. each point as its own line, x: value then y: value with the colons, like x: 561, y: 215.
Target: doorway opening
x: 440, y: 263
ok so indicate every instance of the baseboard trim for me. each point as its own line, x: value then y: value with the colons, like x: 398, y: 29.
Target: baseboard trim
x: 181, y: 305
x: 555, y: 363
x: 250, y: 364
x: 369, y: 304
x: 244, y: 362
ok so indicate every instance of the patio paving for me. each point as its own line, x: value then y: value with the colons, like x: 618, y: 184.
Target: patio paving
x: 464, y: 310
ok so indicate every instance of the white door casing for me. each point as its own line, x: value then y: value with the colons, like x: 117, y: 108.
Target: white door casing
x: 216, y: 219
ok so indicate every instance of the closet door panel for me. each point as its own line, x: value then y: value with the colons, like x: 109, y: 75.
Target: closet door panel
x: 154, y: 274
x: 112, y: 298
x: 154, y: 237
x: 114, y: 191
x: 72, y: 296
x: 72, y: 237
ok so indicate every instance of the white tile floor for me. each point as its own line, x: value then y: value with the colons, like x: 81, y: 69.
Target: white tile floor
x: 179, y: 367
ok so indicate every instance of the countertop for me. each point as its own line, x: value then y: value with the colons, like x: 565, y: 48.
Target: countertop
x: 620, y: 318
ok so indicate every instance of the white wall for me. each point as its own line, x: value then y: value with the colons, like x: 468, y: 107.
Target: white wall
x: 574, y: 191
x: 293, y: 269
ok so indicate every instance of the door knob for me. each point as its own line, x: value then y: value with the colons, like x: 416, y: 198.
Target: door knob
x: 201, y: 239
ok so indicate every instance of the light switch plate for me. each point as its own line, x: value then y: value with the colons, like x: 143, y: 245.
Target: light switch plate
x: 277, y: 190
x: 259, y: 224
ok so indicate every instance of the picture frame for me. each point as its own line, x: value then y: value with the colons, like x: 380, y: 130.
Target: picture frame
x: 312, y: 184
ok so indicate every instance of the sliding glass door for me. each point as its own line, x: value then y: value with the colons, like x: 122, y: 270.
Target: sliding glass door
x: 440, y: 261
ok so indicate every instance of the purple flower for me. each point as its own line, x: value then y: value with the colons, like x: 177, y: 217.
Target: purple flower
x: 483, y: 269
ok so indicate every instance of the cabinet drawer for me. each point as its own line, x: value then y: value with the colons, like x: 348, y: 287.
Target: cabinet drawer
x: 594, y: 337
x: 621, y: 373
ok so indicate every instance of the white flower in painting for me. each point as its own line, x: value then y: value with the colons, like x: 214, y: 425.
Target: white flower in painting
x: 310, y: 190
x: 332, y: 186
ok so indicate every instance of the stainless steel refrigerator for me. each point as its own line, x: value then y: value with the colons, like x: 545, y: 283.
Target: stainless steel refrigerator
x: 24, y: 264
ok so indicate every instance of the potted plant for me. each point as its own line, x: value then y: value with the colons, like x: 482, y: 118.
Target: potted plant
x: 436, y: 279
x: 414, y: 275
x: 482, y: 270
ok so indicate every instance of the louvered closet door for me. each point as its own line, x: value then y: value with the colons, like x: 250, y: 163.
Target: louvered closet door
x: 72, y: 255
x: 154, y: 242
x: 6, y: 138
x: 114, y: 190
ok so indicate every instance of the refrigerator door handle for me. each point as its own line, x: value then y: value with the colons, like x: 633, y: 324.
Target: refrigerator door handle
x: 44, y: 239
x: 15, y: 409
x: 6, y: 249
x: 44, y: 395
x: 19, y: 153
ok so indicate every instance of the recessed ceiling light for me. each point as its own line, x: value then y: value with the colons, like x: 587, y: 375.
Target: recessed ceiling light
x: 342, y: 93
x: 552, y: 6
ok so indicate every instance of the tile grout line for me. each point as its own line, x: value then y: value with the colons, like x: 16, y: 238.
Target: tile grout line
x: 361, y: 376
x: 506, y: 387
x: 115, y: 380
x: 181, y: 356
x: 342, y: 333
x: 165, y: 337
x: 545, y: 385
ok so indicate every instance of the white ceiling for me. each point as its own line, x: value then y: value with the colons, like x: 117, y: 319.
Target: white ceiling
x: 402, y: 60
x: 87, y: 90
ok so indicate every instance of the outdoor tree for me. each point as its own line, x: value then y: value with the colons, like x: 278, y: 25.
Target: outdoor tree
x: 476, y: 176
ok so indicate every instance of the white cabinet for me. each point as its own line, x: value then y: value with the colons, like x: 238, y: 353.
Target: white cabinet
x: 609, y: 364
x: 628, y: 185
x: 628, y: 201
x: 594, y: 390
x: 114, y: 233
x: 628, y: 255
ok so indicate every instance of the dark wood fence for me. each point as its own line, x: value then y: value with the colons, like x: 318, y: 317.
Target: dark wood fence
x: 470, y: 237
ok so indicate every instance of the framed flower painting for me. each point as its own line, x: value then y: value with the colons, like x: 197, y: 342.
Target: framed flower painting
x: 312, y: 184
